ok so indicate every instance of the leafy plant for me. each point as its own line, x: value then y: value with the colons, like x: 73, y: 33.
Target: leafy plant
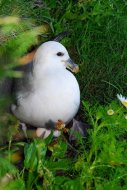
x: 104, y: 153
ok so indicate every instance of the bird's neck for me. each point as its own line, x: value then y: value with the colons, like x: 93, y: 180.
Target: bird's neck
x: 43, y: 70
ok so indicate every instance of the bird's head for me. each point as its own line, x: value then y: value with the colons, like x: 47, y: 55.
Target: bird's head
x: 54, y: 55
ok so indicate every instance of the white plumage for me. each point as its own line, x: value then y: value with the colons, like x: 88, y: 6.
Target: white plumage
x: 52, y: 92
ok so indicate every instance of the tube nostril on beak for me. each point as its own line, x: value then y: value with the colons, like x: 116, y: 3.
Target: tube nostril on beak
x: 72, y: 66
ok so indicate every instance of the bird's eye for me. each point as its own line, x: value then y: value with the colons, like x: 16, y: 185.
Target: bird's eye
x: 60, y: 54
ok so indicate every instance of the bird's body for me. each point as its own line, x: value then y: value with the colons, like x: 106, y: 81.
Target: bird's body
x: 49, y: 92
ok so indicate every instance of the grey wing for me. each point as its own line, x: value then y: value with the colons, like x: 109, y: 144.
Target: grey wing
x: 5, y: 94
x: 5, y: 87
x: 23, y: 83
x: 10, y: 86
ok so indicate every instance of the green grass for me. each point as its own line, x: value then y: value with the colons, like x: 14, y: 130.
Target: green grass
x: 97, y: 42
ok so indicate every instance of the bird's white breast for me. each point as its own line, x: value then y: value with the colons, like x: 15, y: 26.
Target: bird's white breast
x: 53, y: 97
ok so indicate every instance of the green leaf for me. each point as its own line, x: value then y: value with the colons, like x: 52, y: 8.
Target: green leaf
x: 35, y: 154
x: 6, y: 167
x: 64, y: 164
x: 30, y: 152
x: 14, y: 185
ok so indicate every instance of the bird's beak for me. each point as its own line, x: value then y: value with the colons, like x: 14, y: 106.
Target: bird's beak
x: 72, y: 66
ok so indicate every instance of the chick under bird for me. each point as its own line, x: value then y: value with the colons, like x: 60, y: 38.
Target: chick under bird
x: 48, y: 91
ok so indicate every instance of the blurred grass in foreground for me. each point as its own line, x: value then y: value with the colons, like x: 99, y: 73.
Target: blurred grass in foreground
x: 17, y: 36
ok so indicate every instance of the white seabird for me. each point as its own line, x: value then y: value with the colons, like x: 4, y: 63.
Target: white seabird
x: 48, y: 92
